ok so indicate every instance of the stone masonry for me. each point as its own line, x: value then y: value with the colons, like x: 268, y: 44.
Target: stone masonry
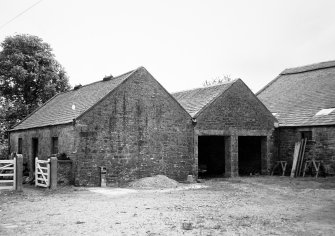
x: 321, y: 147
x: 138, y: 130
x: 65, y: 134
x: 237, y: 112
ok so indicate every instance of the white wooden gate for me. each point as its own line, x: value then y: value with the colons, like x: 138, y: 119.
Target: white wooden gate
x: 8, y: 174
x: 42, y: 173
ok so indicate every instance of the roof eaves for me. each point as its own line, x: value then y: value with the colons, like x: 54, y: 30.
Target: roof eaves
x: 38, y: 127
x: 304, y: 125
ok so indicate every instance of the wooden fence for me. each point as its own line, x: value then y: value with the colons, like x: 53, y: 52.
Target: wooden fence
x: 8, y: 174
x: 42, y: 173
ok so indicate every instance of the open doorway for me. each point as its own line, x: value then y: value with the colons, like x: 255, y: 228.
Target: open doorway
x: 249, y: 155
x: 34, y: 153
x: 211, y: 156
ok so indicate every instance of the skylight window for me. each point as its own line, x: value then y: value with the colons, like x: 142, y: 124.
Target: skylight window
x: 324, y: 112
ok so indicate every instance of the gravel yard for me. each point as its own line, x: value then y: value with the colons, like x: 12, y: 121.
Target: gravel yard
x: 239, y: 206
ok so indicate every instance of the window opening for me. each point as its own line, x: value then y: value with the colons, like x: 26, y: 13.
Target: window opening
x: 54, y: 145
x: 306, y: 134
x: 19, y: 146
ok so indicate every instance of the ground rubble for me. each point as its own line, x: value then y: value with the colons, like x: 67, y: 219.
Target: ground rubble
x: 239, y: 206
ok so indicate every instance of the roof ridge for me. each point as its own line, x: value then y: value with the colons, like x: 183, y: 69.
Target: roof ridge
x: 309, y: 67
x: 297, y: 70
x: 216, y: 85
x: 73, y: 93
x: 100, y: 81
x: 297, y: 97
x: 125, y: 79
x: 95, y: 82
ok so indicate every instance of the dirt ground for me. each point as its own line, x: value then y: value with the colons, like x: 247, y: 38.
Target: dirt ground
x: 241, y: 206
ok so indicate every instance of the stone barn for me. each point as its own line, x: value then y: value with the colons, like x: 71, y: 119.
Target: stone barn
x: 303, y: 101
x: 128, y: 124
x: 232, y: 129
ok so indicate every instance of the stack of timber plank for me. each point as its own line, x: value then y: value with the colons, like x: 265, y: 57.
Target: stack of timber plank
x: 298, y: 158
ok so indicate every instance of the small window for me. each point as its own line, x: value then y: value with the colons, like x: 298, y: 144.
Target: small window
x: 306, y: 134
x: 19, y: 146
x: 54, y: 145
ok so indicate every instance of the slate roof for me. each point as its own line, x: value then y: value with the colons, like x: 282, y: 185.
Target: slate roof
x: 59, y: 109
x: 297, y: 94
x: 196, y: 100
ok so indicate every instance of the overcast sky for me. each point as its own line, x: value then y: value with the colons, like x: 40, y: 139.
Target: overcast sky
x: 181, y: 43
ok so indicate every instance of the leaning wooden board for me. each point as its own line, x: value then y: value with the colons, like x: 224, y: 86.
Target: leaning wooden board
x: 295, y: 158
x: 301, y: 157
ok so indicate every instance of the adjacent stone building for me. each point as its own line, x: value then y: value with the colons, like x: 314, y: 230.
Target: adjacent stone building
x: 232, y: 129
x: 303, y: 101
x: 128, y: 124
x: 134, y: 128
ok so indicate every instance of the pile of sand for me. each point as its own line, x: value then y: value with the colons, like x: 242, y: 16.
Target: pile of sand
x: 157, y: 181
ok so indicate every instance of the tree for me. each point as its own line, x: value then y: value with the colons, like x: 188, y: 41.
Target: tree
x: 218, y: 80
x: 29, y: 76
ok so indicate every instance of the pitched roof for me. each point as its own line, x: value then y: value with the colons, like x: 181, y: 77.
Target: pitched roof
x: 311, y: 67
x: 64, y: 107
x: 196, y: 100
x: 297, y: 94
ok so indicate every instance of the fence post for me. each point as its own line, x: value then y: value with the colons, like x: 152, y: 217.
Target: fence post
x: 53, y: 172
x: 36, y: 175
x: 19, y: 172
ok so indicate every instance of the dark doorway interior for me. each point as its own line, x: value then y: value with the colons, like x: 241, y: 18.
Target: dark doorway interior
x: 211, y: 156
x: 34, y: 149
x: 249, y: 155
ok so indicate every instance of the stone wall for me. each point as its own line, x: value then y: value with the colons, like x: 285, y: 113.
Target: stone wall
x: 237, y: 109
x: 321, y: 147
x: 238, y: 112
x: 44, y: 135
x: 65, y: 172
x: 138, y: 130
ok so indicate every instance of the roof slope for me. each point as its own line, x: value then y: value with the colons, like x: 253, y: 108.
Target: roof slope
x: 311, y: 67
x: 65, y: 107
x: 196, y: 100
x: 297, y: 94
